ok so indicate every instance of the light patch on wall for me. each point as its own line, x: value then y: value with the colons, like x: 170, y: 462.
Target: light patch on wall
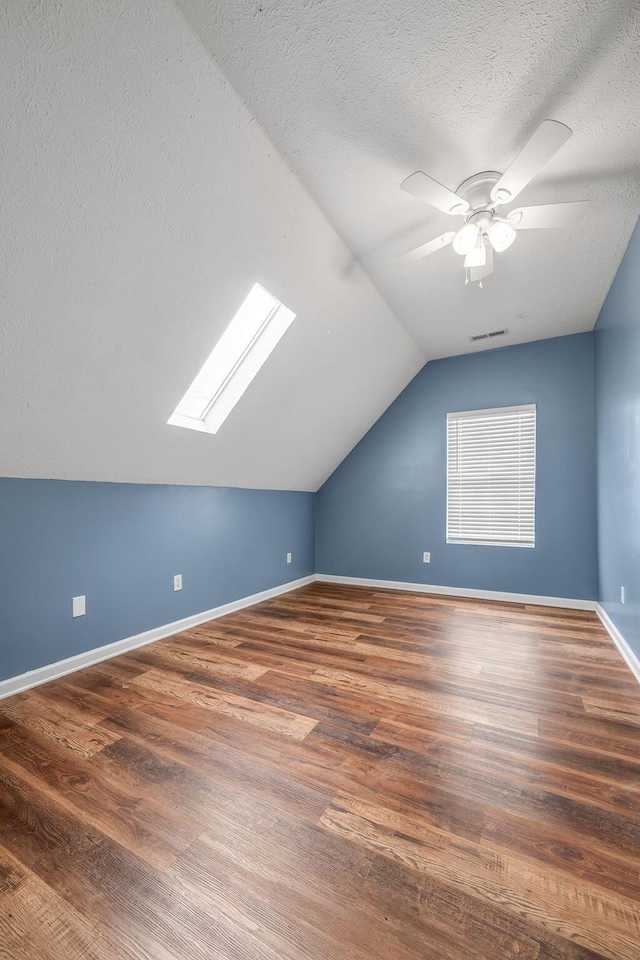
x: 235, y: 360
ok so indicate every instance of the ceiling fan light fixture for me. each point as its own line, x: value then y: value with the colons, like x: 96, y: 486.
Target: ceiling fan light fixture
x: 478, y: 197
x: 477, y: 256
x: 466, y: 239
x: 501, y: 235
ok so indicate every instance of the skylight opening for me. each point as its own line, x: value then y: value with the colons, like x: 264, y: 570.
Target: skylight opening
x: 242, y: 349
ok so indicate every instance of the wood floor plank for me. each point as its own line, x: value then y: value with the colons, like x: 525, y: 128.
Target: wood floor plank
x: 36, y: 923
x: 301, y: 788
x: 55, y: 722
x: 32, y: 824
x: 154, y: 831
x: 584, y: 913
x: 339, y: 773
x: 242, y: 708
x: 449, y: 704
x: 622, y: 771
x: 265, y: 883
x: 597, y: 733
x: 563, y: 849
x: 528, y: 788
x: 622, y: 709
x: 179, y: 657
x: 136, y: 904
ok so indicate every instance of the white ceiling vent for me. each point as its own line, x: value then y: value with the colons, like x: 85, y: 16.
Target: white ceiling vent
x: 486, y: 336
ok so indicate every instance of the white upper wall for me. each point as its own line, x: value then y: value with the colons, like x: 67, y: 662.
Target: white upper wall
x: 140, y: 201
x: 140, y: 198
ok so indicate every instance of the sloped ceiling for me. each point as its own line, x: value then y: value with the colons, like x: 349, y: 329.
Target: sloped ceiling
x: 139, y: 201
x: 158, y: 159
x: 358, y: 94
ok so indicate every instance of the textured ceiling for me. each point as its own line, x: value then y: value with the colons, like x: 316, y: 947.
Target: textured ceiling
x: 358, y: 94
x: 140, y: 201
x: 158, y: 159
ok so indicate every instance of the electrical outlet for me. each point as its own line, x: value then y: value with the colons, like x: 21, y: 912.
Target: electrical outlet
x: 177, y: 582
x: 426, y: 557
x: 288, y: 558
x: 621, y: 594
x: 78, y: 606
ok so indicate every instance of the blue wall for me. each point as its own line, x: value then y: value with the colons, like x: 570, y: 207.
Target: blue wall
x: 617, y: 351
x: 386, y: 503
x: 120, y: 545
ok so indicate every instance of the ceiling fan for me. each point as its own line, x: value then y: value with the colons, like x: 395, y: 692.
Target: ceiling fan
x: 478, y: 197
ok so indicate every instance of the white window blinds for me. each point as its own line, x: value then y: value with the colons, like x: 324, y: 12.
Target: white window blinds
x: 491, y: 476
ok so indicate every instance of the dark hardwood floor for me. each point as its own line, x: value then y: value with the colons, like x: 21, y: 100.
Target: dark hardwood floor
x: 337, y: 774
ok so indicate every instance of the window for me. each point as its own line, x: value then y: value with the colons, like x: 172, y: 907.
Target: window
x: 491, y: 476
x: 244, y: 346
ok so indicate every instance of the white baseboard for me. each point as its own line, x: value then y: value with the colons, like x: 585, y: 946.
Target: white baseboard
x: 463, y: 592
x: 627, y: 653
x: 34, y: 678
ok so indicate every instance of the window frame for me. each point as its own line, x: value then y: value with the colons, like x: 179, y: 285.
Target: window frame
x: 479, y: 413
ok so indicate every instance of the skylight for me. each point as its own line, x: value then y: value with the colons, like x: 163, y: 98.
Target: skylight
x: 236, y: 358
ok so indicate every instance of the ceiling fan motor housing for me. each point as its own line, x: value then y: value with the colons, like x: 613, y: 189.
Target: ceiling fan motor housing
x: 476, y: 190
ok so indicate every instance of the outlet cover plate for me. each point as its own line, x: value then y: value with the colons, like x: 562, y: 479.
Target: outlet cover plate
x: 78, y: 606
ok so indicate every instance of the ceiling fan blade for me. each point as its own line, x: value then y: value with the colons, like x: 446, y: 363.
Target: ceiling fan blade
x: 547, y: 139
x: 424, y: 188
x: 479, y: 273
x: 548, y: 215
x: 426, y: 248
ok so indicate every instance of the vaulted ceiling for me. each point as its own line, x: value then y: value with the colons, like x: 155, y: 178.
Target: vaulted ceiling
x: 158, y: 159
x: 358, y: 94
